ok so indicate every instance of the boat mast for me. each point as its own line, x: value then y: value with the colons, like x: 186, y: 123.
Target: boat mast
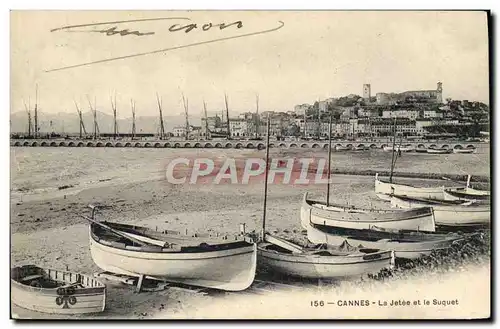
x: 329, y: 161
x: 162, y: 126
x: 206, y: 118
x: 393, y: 150
x: 305, y: 123
x: 265, y: 181
x: 132, y: 104
x: 82, y: 126
x: 186, y: 107
x: 319, y: 122
x: 36, y: 111
x: 257, y: 116
x: 115, y: 127
x: 227, y: 118
x: 28, y: 110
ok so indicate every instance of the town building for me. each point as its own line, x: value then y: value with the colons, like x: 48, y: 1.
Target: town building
x: 413, y: 96
x: 301, y: 109
x: 367, y: 93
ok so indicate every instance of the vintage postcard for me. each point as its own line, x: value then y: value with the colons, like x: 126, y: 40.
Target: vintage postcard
x: 250, y: 165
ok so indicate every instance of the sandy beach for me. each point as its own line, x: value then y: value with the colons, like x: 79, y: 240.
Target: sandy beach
x: 46, y: 227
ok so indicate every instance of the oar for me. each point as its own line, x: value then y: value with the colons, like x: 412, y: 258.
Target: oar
x: 140, y: 243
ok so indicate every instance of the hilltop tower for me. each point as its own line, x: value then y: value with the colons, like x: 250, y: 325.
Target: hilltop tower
x: 439, y: 94
x: 367, y: 93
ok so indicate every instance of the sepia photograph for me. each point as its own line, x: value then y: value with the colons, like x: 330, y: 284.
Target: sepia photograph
x: 250, y: 164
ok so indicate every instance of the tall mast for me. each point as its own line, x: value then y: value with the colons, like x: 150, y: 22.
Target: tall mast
x: 206, y: 118
x: 115, y: 126
x: 186, y: 106
x: 266, y: 178
x: 305, y: 123
x: 227, y: 118
x: 94, y: 112
x: 162, y: 126
x: 82, y: 126
x: 319, y: 121
x: 28, y: 110
x: 329, y: 161
x: 132, y: 103
x: 393, y: 150
x: 257, y: 116
x: 36, y: 111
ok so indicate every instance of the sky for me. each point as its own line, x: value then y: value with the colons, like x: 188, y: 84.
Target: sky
x: 313, y: 56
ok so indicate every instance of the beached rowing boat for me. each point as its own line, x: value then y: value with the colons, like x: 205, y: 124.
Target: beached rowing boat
x: 399, y: 148
x: 468, y: 194
x: 405, y: 244
x: 448, y: 213
x: 439, y: 151
x: 464, y: 151
x: 199, y: 261
x: 321, y: 261
x: 384, y: 190
x: 55, y: 291
x: 318, y: 212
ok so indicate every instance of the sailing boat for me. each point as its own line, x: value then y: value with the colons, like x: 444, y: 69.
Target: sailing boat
x: 318, y: 262
x: 385, y: 189
x: 363, y: 218
x: 210, y: 262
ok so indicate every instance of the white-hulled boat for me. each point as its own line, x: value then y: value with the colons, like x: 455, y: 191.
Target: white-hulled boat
x: 283, y: 256
x: 321, y: 262
x: 464, y: 151
x: 405, y: 244
x: 448, y: 213
x: 439, y: 151
x: 384, y: 190
x: 55, y: 291
x: 340, y: 148
x: 399, y: 148
x: 318, y: 212
x: 468, y: 194
x: 138, y: 251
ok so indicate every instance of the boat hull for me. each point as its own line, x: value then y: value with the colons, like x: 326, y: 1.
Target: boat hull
x: 409, y: 249
x: 324, y: 267
x: 468, y: 194
x: 386, y: 189
x: 356, y: 218
x: 231, y: 270
x: 89, y: 299
x: 449, y: 215
x: 464, y: 151
x: 439, y: 151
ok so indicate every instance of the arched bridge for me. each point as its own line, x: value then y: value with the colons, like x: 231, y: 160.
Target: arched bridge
x: 245, y: 144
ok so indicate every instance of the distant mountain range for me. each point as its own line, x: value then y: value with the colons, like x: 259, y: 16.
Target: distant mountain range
x: 69, y: 122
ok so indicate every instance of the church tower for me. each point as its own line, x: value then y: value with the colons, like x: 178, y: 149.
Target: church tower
x: 439, y: 95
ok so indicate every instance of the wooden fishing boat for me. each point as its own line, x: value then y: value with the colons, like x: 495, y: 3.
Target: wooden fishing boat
x: 360, y: 148
x: 322, y: 261
x: 407, y: 148
x: 318, y: 212
x: 464, y: 151
x: 439, y: 151
x: 468, y: 194
x: 405, y: 244
x: 199, y: 261
x: 340, y: 148
x: 55, y: 291
x: 448, y: 213
x: 385, y: 189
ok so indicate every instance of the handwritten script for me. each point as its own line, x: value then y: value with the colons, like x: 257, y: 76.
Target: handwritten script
x: 115, y: 29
